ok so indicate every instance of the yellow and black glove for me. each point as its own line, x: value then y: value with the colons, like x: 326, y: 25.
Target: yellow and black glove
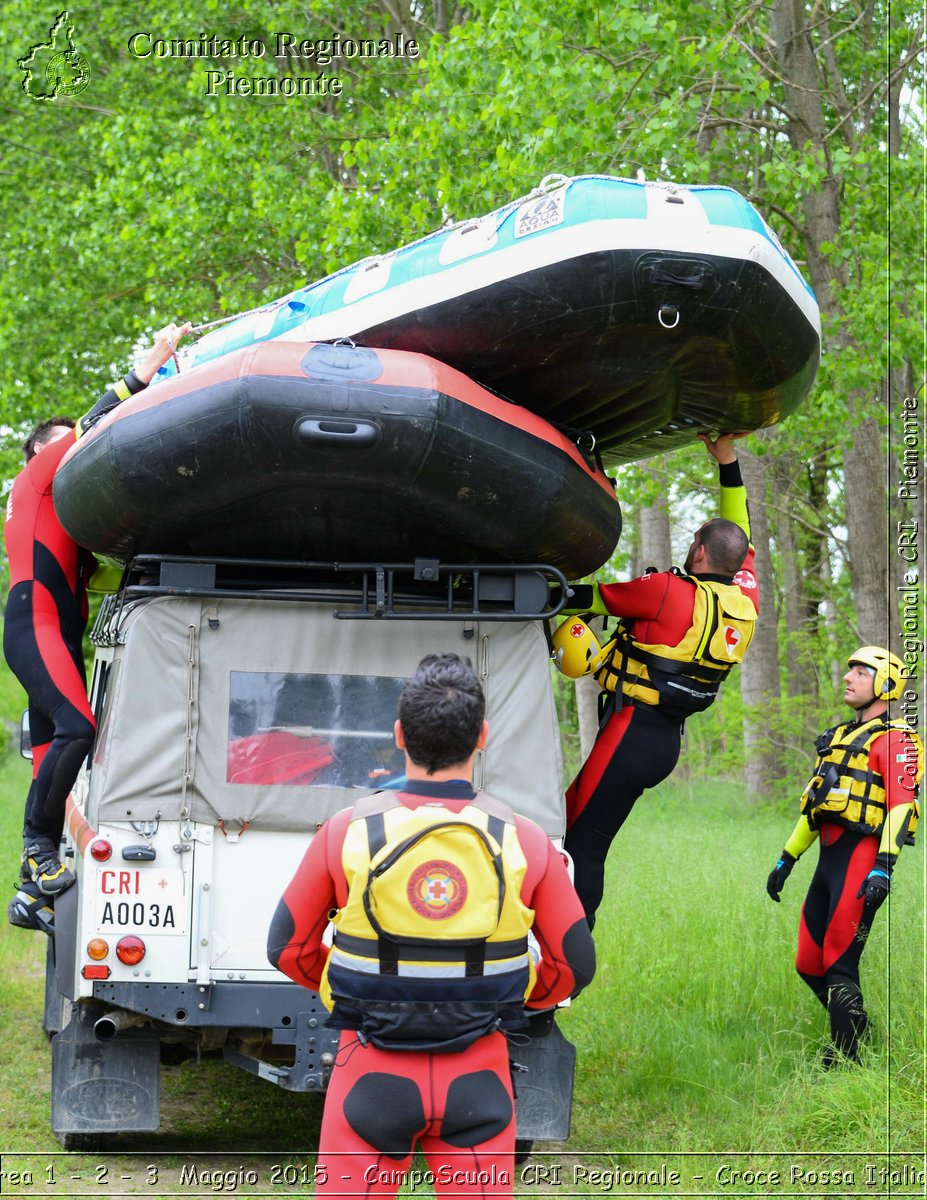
x: 581, y: 598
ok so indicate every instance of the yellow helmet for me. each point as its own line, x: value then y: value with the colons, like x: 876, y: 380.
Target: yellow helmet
x: 889, y: 670
x: 576, y: 648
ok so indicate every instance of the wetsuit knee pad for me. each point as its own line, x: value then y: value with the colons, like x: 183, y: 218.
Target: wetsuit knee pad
x: 386, y: 1111
x: 477, y: 1108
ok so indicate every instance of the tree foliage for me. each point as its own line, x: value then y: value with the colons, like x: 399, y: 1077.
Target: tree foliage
x: 145, y: 198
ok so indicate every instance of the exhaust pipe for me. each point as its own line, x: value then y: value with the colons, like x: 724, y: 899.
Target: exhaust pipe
x: 106, y: 1027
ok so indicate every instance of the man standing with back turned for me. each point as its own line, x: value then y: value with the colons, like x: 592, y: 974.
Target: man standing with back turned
x: 861, y: 804
x: 433, y: 891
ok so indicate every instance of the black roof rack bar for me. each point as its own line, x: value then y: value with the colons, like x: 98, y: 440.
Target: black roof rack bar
x: 424, y: 589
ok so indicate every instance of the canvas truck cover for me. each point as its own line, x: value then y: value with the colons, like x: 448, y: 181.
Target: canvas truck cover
x: 276, y: 714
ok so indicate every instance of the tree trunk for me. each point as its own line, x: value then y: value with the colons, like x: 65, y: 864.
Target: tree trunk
x: 759, y: 671
x: 656, y: 548
x: 864, y: 461
x: 864, y: 479
x: 782, y: 477
x: 816, y: 548
x: 808, y: 135
x: 587, y: 712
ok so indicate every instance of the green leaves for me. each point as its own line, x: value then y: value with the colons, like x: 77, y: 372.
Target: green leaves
x: 144, y: 198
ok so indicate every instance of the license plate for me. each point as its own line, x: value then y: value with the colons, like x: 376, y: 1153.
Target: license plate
x: 141, y: 900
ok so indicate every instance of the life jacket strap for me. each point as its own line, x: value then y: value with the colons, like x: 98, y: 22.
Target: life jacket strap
x: 834, y: 768
x: 428, y: 950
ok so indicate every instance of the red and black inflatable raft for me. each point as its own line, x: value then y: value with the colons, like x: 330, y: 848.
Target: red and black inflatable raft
x: 335, y: 452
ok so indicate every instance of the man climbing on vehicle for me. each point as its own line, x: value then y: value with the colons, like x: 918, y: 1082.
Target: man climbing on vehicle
x: 679, y: 634
x: 861, y: 805
x: 433, y: 892
x: 46, y: 614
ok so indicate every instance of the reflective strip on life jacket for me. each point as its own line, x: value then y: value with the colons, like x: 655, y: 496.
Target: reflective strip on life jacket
x: 434, y: 901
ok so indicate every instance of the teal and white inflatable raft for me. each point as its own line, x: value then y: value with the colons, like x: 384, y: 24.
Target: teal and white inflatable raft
x: 639, y: 312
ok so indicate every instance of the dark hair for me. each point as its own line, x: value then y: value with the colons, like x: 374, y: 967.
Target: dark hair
x: 441, y: 712
x: 39, y: 435
x: 725, y: 544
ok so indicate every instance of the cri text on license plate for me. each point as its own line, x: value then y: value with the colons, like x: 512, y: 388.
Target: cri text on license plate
x: 146, y: 899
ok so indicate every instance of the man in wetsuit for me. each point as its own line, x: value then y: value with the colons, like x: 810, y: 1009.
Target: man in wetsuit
x: 433, y: 892
x: 46, y: 613
x: 861, y: 805
x: 679, y: 635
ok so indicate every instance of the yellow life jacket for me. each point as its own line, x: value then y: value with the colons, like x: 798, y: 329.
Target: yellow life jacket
x: 844, y: 789
x: 683, y: 679
x: 430, y: 950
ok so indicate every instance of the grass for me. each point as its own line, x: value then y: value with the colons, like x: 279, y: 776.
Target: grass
x: 697, y: 1043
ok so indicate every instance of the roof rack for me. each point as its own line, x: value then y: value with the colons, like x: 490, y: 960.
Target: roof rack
x: 424, y: 589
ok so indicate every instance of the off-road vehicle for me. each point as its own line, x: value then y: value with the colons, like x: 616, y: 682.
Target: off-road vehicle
x: 240, y: 704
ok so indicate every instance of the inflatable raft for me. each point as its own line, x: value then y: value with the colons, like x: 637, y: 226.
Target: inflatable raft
x: 638, y: 311
x: 323, y: 452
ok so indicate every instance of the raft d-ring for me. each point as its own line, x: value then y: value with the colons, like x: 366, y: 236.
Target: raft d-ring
x: 345, y: 341
x: 585, y: 443
x: 666, y: 311
x: 551, y: 182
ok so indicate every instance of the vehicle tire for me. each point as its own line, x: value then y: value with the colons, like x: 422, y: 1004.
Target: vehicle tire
x: 88, y: 1142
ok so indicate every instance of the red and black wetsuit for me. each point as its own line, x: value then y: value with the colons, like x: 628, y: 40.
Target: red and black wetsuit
x: 43, y: 627
x: 459, y: 1106
x: 638, y: 746
x: 834, y: 924
x: 46, y: 613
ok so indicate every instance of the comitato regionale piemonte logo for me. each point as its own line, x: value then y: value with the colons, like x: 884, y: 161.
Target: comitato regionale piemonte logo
x: 54, y: 68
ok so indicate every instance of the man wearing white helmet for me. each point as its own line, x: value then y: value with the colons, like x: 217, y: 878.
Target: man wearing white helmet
x: 861, y: 805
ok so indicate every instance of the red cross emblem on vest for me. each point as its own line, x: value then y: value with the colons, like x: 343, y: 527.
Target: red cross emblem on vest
x: 437, y: 889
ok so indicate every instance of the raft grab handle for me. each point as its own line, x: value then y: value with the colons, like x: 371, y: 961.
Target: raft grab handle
x: 336, y: 431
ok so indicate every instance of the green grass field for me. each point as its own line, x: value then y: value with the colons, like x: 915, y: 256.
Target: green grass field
x: 697, y: 1043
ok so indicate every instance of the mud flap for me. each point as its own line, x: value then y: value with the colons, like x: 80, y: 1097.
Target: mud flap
x: 51, y: 1016
x: 103, y: 1087
x: 544, y: 1092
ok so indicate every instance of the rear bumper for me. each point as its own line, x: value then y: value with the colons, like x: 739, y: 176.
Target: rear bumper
x: 290, y: 1014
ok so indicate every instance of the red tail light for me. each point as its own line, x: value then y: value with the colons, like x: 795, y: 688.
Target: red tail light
x: 130, y: 950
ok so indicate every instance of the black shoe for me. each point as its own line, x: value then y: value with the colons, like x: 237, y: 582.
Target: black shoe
x: 831, y: 1057
x: 42, y: 866
x: 30, y: 909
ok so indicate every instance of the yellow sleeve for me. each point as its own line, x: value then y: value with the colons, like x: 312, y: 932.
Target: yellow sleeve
x: 801, y: 838
x: 106, y: 577
x: 895, y: 829
x: 733, y: 507
x: 586, y: 598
